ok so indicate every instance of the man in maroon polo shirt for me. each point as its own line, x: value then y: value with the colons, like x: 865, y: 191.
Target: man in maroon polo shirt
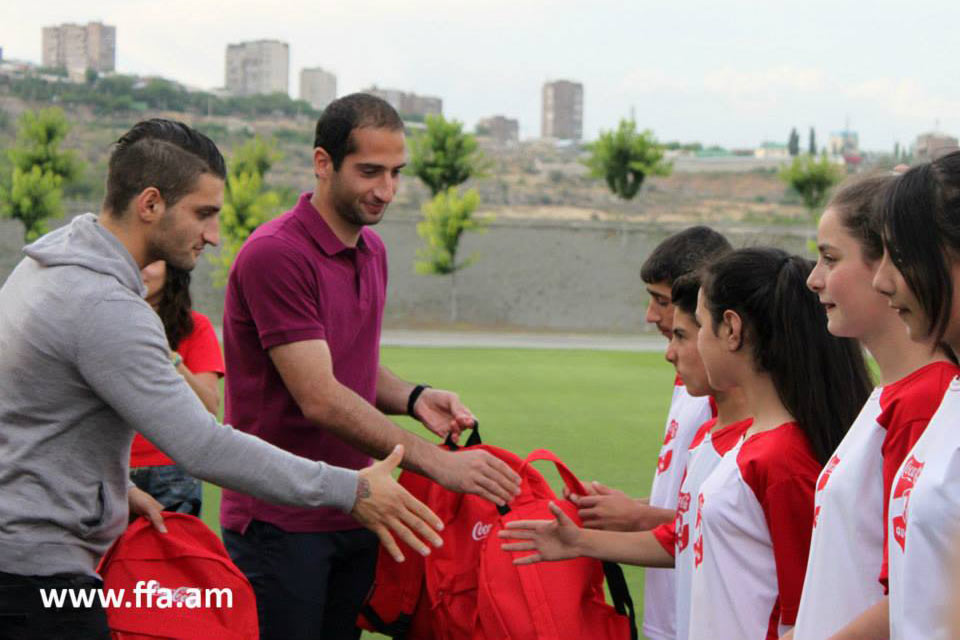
x: 302, y: 335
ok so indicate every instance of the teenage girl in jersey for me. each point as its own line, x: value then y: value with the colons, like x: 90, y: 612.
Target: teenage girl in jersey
x: 920, y: 274
x: 763, y: 331
x: 843, y: 592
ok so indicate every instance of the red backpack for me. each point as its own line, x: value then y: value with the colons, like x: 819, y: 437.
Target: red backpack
x: 469, y: 589
x: 184, y: 577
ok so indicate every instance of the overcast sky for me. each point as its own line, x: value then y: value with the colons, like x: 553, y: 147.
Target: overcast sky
x: 733, y: 73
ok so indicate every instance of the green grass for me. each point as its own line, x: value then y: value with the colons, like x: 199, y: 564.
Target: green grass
x: 601, y: 412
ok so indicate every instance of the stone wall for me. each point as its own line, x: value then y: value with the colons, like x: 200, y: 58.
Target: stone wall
x: 529, y: 274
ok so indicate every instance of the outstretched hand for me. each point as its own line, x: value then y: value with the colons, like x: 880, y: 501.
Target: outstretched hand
x: 386, y: 508
x: 556, y: 539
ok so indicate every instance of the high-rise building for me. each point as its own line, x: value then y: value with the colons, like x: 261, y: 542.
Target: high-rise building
x: 562, y: 116
x: 408, y: 104
x: 78, y: 47
x: 502, y: 129
x: 318, y: 87
x: 932, y: 145
x: 260, y: 66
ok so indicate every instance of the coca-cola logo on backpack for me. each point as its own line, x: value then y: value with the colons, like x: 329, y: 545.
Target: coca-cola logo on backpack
x: 481, y: 531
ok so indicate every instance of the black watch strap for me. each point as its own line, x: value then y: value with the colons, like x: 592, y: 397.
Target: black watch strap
x: 413, y: 397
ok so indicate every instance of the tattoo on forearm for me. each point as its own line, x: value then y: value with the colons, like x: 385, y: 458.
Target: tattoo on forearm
x: 363, y: 489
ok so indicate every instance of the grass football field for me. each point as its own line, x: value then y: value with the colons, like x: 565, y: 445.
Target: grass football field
x: 601, y: 412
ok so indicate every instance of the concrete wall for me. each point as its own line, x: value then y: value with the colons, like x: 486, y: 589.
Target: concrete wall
x: 529, y: 275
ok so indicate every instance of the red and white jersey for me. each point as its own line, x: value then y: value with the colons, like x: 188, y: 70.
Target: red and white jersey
x: 845, y: 571
x: 922, y: 527
x: 687, y: 414
x: 752, y: 528
x: 677, y: 538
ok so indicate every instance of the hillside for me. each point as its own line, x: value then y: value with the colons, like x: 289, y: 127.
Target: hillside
x: 532, y: 180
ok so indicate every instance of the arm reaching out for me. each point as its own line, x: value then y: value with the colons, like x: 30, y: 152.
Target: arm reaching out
x: 383, y: 506
x: 307, y: 371
x: 613, y: 510
x: 440, y: 411
x: 562, y: 539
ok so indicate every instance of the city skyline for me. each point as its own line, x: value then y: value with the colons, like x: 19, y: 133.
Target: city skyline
x: 734, y: 74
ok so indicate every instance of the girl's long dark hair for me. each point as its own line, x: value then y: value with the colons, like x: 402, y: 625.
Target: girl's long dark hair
x: 822, y: 380
x: 920, y: 211
x: 175, y: 305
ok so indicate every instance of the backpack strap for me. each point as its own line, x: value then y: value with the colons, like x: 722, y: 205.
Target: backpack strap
x: 543, y: 623
x: 474, y: 438
x: 398, y: 629
x: 620, y: 593
x: 573, y: 483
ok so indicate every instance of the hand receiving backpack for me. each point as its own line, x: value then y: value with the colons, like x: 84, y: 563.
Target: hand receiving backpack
x: 469, y: 589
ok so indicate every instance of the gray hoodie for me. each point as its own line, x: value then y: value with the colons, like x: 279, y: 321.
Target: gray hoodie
x: 84, y: 362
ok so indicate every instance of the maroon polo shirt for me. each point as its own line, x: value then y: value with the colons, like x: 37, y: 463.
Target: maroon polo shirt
x: 294, y: 280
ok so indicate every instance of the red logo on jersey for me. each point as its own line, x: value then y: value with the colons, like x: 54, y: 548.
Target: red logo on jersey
x: 698, y: 545
x: 683, y: 506
x: 683, y: 534
x: 816, y: 516
x: 671, y: 431
x: 901, y: 494
x: 825, y: 475
x: 663, y: 462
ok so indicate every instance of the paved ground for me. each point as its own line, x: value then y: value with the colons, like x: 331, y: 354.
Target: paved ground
x: 407, y: 338
x: 652, y: 343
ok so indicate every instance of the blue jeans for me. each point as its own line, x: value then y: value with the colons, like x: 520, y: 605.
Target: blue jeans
x: 171, y: 487
x: 309, y: 586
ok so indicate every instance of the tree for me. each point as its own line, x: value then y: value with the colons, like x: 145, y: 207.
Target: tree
x: 443, y: 155
x: 793, y: 144
x: 32, y: 198
x: 38, y: 144
x: 812, y: 147
x: 246, y: 204
x: 625, y: 157
x: 255, y: 156
x: 812, y: 179
x: 39, y: 170
x: 445, y: 218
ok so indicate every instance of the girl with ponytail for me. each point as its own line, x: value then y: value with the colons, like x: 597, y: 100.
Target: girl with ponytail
x: 765, y: 332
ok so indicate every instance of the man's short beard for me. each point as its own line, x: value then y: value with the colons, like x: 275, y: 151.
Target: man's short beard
x: 347, y: 209
x: 159, y: 247
x: 348, y: 212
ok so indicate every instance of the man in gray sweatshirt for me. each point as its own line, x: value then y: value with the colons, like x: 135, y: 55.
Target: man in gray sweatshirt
x: 84, y: 361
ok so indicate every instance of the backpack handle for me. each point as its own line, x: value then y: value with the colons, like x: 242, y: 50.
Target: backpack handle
x: 573, y: 483
x: 472, y: 440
